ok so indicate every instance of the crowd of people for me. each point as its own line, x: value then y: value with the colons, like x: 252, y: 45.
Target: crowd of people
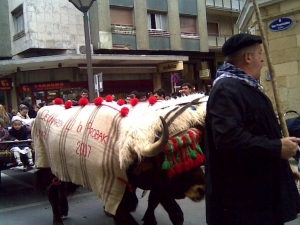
x: 13, y: 128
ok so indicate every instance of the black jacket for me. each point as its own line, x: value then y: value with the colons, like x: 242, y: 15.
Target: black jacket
x: 246, y: 181
x: 21, y: 134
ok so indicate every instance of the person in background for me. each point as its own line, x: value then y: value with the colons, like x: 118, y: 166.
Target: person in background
x: 4, y: 135
x: 128, y: 98
x: 159, y: 94
x: 23, y: 112
x: 36, y: 108
x: 5, y: 116
x: 31, y: 113
x: 249, y: 180
x: 83, y: 94
x: 18, y: 133
x: 142, y: 96
x: 186, y: 89
x: 14, y: 112
x: 134, y: 94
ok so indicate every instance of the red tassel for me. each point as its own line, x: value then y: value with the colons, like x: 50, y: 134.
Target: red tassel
x: 98, y: 101
x: 177, y: 168
x: 58, y: 101
x: 186, y: 166
x: 68, y: 104
x: 109, y: 98
x: 134, y: 101
x: 120, y: 102
x: 152, y: 100
x: 171, y: 173
x: 83, y: 101
x: 124, y: 111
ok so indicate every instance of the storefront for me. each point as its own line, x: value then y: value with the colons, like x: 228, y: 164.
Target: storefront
x: 45, y: 93
x: 5, y: 93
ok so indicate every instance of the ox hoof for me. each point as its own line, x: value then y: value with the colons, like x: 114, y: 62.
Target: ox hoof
x: 58, y: 223
x: 150, y: 222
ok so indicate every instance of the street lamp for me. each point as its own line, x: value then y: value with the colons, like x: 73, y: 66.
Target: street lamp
x: 84, y: 6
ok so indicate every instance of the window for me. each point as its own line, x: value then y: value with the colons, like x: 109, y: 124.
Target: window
x: 213, y: 29
x: 121, y: 16
x: 157, y: 21
x: 18, y: 19
x: 188, y: 26
x: 122, y: 21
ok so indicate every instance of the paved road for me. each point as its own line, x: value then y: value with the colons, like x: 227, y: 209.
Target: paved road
x: 21, y: 205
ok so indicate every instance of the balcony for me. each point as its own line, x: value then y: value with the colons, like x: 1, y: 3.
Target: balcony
x: 158, y: 33
x: 226, y: 5
x: 217, y: 41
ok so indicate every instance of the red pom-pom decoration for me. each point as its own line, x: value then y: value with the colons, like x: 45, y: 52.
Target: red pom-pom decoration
x: 109, y: 98
x: 152, y: 100
x: 83, y: 101
x: 58, y: 101
x: 98, y: 101
x: 171, y: 173
x: 68, y: 104
x: 120, y: 102
x: 134, y: 101
x: 124, y: 111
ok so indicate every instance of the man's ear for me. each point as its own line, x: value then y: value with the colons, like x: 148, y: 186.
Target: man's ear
x: 247, y: 57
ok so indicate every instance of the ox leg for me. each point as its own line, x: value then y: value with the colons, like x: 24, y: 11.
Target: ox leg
x: 153, y: 201
x: 53, y: 196
x: 129, y: 203
x: 173, y: 209
x: 63, y: 201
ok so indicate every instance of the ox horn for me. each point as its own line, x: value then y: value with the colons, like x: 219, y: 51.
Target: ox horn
x: 158, y: 146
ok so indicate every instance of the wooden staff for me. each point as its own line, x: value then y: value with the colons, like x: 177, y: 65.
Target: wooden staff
x: 272, y: 71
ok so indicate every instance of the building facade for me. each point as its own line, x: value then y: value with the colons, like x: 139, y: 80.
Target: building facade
x: 280, y: 21
x: 137, y: 45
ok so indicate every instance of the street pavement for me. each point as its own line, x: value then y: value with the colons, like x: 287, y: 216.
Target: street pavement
x: 20, y: 204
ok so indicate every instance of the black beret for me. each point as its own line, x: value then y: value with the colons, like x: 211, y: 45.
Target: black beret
x: 239, y: 41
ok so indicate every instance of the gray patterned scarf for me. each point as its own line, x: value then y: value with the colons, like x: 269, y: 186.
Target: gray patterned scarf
x: 229, y: 70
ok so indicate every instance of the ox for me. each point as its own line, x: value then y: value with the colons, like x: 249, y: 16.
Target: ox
x: 112, y: 153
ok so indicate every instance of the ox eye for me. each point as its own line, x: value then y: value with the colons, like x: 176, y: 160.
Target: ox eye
x: 193, y: 108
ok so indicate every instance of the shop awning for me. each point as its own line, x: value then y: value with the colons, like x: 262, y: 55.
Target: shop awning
x: 75, y: 60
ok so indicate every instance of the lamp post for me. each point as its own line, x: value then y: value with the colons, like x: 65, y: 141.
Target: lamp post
x: 84, y: 6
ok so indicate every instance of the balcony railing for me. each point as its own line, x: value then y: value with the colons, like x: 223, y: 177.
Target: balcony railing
x: 122, y: 29
x: 217, y: 41
x: 158, y: 33
x: 190, y: 35
x: 226, y: 5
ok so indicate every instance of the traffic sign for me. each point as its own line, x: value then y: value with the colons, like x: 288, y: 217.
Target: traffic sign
x: 175, y: 78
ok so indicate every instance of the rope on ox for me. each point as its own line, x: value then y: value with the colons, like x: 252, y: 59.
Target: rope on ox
x: 183, y: 152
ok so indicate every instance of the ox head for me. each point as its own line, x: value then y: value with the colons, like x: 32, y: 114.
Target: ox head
x: 196, y: 191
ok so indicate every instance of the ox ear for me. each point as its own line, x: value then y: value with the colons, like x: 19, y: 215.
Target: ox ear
x: 158, y: 146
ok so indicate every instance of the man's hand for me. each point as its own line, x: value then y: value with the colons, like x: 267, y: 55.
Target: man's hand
x: 296, y: 173
x: 289, y: 147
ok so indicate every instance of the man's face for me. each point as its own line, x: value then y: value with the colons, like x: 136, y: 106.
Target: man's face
x: 84, y: 95
x: 256, y: 62
x: 185, y: 90
x: 158, y: 97
x: 17, y: 125
x: 127, y: 99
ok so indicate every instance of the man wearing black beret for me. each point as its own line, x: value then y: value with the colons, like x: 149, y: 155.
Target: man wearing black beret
x: 249, y: 180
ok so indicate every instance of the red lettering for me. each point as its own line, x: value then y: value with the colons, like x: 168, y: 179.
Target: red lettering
x: 83, y: 150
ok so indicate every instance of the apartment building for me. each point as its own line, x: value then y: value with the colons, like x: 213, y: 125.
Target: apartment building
x: 137, y: 45
x: 280, y: 20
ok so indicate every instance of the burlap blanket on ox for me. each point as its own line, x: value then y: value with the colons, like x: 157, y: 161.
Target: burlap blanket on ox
x: 93, y: 145
x: 79, y: 144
